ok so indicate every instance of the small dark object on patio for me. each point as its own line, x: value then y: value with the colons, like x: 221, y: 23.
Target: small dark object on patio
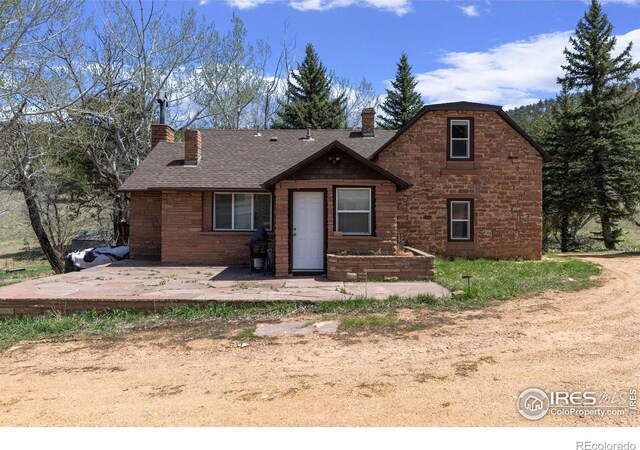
x: 92, y: 257
x: 258, y: 244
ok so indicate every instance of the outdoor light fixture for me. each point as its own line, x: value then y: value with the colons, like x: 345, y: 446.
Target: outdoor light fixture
x: 468, y: 278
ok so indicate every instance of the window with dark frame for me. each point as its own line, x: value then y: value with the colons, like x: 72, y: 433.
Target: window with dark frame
x: 460, y: 220
x: 460, y: 139
x: 353, y: 211
x: 241, y: 212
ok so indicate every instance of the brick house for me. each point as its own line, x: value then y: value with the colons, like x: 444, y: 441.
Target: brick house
x: 459, y: 179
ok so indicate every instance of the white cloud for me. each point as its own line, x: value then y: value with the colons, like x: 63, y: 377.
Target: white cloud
x: 399, y: 7
x: 470, y: 10
x: 246, y: 4
x: 512, y: 74
x: 626, y: 2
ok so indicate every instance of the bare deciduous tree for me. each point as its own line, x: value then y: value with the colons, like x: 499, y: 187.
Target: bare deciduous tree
x: 29, y: 159
x: 137, y: 52
x: 358, y: 96
x: 33, y: 89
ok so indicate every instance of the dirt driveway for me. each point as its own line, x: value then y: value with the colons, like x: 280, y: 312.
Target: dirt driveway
x: 450, y: 369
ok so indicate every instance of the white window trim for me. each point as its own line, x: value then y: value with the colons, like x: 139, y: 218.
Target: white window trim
x: 233, y: 210
x: 451, y: 219
x: 467, y: 139
x: 359, y: 211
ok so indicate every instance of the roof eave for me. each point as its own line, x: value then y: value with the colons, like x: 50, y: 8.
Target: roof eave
x: 192, y: 189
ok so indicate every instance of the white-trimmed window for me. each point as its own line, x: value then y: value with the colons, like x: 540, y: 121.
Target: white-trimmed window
x: 460, y: 139
x: 460, y: 223
x: 241, y: 212
x: 353, y: 211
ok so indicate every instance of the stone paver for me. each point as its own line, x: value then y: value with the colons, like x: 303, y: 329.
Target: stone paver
x: 134, y: 280
x: 296, y: 328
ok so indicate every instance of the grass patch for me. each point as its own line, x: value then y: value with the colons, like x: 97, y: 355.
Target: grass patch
x: 367, y: 321
x: 16, y: 329
x: 19, y: 248
x: 502, y: 280
x: 35, y: 267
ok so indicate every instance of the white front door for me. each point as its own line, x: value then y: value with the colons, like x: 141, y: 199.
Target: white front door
x: 308, y: 231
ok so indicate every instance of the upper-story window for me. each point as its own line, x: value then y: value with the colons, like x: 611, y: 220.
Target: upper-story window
x: 460, y: 139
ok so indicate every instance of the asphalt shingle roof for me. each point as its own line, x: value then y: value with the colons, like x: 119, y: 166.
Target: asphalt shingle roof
x: 237, y: 159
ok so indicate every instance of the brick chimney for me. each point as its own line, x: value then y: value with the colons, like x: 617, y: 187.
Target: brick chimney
x: 192, y: 147
x: 368, y: 122
x: 161, y: 132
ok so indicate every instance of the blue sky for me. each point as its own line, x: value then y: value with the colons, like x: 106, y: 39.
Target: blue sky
x: 503, y: 52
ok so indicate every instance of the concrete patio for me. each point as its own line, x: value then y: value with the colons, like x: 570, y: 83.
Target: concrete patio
x: 142, y: 285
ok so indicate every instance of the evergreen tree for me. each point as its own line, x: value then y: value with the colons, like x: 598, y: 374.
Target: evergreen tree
x: 606, y: 93
x: 566, y: 193
x: 309, y: 98
x: 402, y: 102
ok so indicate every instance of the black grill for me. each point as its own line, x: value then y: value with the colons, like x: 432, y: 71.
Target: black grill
x: 258, y: 245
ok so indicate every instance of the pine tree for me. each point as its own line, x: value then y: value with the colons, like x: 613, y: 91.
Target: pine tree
x: 309, y: 98
x: 606, y: 94
x: 402, y: 102
x: 566, y: 195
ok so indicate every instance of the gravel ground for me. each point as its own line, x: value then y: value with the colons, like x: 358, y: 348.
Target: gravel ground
x: 431, y: 368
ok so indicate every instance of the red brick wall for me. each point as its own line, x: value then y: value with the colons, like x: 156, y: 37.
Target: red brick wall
x: 385, y: 219
x: 185, y: 243
x: 145, y: 228
x: 192, y: 147
x: 505, y: 181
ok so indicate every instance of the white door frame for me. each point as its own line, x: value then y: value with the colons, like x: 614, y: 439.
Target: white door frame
x: 292, y: 232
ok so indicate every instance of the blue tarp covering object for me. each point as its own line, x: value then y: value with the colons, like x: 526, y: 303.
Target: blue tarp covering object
x: 92, y: 257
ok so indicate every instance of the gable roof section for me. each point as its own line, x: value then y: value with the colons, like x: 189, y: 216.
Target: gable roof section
x: 466, y: 106
x: 238, y: 160
x: 400, y: 184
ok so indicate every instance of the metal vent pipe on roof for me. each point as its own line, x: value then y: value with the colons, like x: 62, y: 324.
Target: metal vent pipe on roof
x: 308, y: 136
x: 162, y: 101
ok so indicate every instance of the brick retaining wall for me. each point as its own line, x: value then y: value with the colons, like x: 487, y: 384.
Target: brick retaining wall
x: 380, y: 266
